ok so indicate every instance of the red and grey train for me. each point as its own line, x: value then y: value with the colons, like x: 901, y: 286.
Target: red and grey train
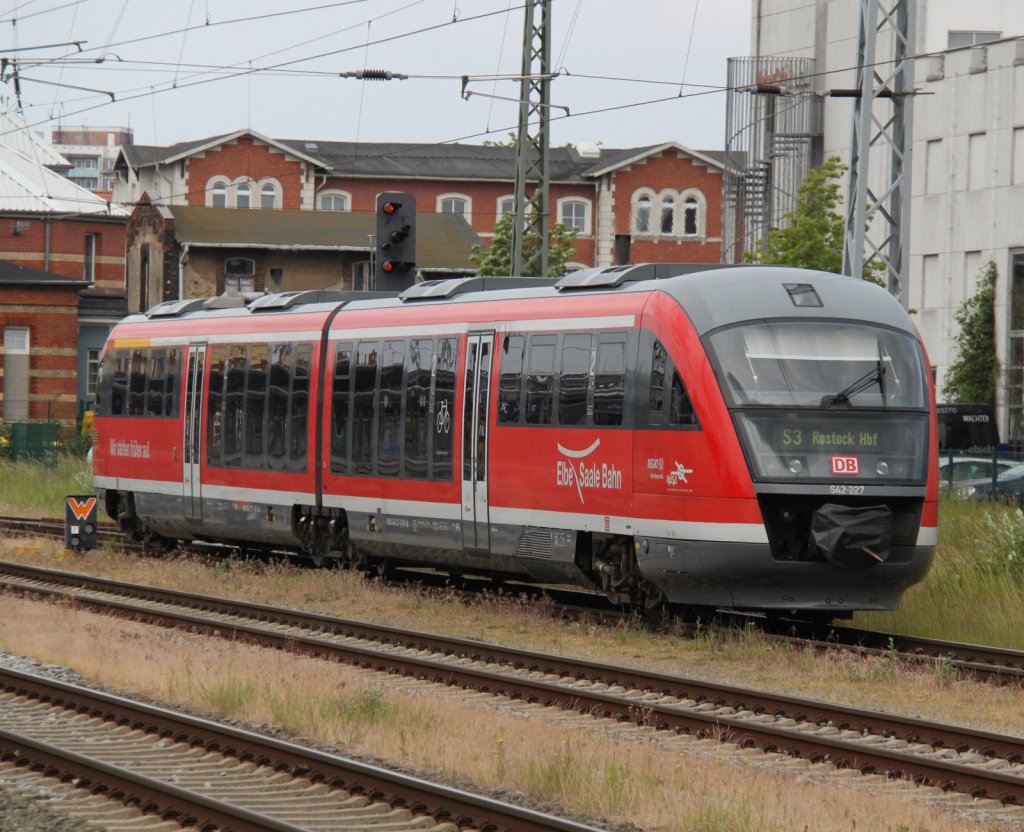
x: 741, y: 437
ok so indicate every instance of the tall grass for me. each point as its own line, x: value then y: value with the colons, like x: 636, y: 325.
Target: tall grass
x: 975, y: 590
x: 37, y: 489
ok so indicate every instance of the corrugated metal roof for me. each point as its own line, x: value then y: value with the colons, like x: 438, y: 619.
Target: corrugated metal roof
x: 28, y: 187
x: 443, y: 241
x: 16, y: 135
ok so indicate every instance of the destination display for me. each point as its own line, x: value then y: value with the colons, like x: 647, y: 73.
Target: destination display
x: 826, y: 437
x: 794, y: 443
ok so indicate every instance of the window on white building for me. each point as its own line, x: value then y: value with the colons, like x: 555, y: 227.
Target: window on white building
x: 936, y: 176
x: 976, y: 146
x: 1018, y: 156
x: 957, y: 39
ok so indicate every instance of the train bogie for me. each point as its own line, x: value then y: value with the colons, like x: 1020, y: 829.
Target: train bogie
x: 753, y: 437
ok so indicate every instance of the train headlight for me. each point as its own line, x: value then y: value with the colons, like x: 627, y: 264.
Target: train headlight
x: 795, y: 466
x: 882, y: 468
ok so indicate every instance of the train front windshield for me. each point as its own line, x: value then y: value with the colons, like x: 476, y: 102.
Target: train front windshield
x: 825, y: 399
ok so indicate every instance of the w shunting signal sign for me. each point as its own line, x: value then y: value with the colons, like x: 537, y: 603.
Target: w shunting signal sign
x: 80, y: 522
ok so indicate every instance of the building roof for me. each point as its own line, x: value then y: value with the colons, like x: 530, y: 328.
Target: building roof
x: 443, y: 241
x: 16, y: 135
x: 408, y: 160
x: 11, y: 274
x: 27, y: 183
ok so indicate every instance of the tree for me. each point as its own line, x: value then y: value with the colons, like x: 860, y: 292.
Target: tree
x: 812, y: 236
x: 497, y: 258
x: 974, y: 375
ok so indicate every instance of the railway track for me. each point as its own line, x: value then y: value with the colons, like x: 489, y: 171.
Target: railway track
x: 978, y: 763
x: 205, y: 775
x: 993, y: 664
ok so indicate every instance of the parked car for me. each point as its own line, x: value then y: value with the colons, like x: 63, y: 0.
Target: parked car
x: 1009, y: 486
x: 971, y: 468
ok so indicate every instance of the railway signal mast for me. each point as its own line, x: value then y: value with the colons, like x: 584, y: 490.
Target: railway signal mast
x: 883, y: 120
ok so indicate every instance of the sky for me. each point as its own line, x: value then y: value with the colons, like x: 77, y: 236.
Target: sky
x: 629, y: 73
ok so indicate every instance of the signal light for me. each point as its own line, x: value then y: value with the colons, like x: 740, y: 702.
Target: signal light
x: 396, y: 240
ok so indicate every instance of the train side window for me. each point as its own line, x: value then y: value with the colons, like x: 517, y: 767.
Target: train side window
x: 298, y: 417
x: 610, y: 379
x: 417, y: 408
x: 256, y: 405
x: 389, y: 408
x: 656, y: 404
x: 215, y: 407
x: 362, y: 407
x: 510, y: 382
x: 574, y: 378
x: 137, y: 384
x: 340, y: 397
x: 443, y: 412
x: 172, y: 387
x: 680, y: 411
x: 156, y: 382
x: 102, y: 404
x: 234, y: 405
x: 540, y: 382
x: 113, y: 383
x: 279, y: 383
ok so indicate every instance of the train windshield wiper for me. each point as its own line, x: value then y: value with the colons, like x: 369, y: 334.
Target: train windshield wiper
x: 874, y: 376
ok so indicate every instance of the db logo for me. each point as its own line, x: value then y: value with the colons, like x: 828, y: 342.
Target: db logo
x: 845, y: 465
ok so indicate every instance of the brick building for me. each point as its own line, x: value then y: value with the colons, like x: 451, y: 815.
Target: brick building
x: 657, y: 203
x: 38, y: 357
x: 61, y: 279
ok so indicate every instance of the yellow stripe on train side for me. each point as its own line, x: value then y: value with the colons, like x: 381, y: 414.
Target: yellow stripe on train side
x: 128, y: 343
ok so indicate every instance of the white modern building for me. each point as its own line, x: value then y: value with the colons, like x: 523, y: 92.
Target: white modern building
x: 967, y: 179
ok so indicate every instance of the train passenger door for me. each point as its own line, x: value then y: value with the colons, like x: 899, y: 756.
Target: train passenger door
x: 475, y: 521
x: 192, y: 496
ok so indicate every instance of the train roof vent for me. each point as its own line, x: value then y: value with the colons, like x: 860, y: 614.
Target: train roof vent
x: 289, y: 300
x: 174, y: 308
x: 232, y: 300
x: 442, y: 289
x: 630, y: 273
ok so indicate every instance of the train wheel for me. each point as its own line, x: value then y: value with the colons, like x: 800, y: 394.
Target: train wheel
x: 652, y: 600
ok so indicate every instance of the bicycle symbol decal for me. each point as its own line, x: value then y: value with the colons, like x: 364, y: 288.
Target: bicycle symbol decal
x: 444, y: 418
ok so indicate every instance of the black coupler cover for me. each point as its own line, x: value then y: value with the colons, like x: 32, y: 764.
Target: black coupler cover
x: 852, y: 536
